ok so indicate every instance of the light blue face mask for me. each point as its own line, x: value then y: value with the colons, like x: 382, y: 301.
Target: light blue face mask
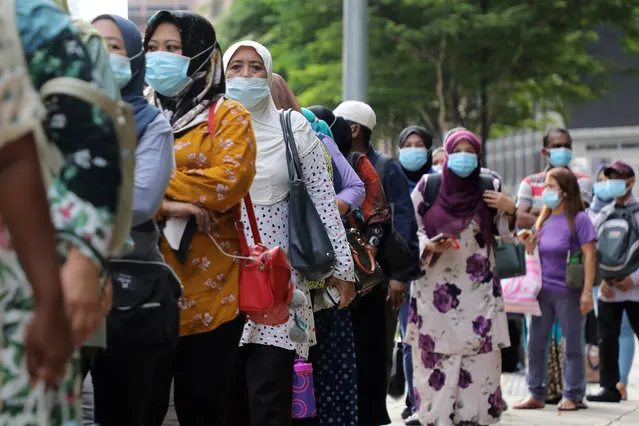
x: 610, y: 189
x: 550, y: 198
x: 462, y: 163
x: 437, y: 168
x: 413, y: 158
x: 121, y: 67
x: 247, y: 91
x: 167, y: 72
x: 560, y: 157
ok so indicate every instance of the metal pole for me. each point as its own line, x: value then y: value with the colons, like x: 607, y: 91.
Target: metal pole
x: 355, y: 51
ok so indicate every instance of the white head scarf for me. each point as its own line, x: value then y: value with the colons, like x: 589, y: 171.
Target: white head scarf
x: 271, y: 184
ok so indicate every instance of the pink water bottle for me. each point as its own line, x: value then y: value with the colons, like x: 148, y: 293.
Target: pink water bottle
x: 303, y: 391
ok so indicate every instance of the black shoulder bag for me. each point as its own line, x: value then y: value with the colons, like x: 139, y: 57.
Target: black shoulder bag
x: 309, y: 248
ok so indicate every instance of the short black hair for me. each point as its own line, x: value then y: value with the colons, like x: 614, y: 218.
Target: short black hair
x: 367, y: 133
x: 556, y: 130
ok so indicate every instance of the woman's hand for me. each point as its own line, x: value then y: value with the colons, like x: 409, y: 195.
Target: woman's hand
x: 586, y: 302
x: 440, y: 246
x: 346, y: 291
x: 606, y: 290
x: 500, y: 201
x: 203, y: 217
x: 80, y: 278
x: 397, y: 293
x: 530, y: 239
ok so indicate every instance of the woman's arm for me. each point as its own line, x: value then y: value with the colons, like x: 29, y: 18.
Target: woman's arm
x: 232, y: 169
x: 352, y: 192
x: 590, y: 264
x: 506, y: 217
x: 153, y: 168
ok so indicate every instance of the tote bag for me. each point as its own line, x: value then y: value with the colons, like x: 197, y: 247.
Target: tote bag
x: 520, y: 293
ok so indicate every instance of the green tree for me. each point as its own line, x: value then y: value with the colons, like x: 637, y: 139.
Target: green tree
x: 430, y: 59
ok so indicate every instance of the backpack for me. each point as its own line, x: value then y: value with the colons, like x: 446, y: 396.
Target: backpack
x: 618, y: 241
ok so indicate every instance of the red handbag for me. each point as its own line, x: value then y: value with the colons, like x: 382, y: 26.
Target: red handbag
x: 266, y: 288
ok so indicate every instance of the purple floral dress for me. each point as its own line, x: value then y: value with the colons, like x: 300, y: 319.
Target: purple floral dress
x: 457, y: 326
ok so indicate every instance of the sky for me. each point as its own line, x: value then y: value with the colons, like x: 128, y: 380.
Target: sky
x: 89, y: 9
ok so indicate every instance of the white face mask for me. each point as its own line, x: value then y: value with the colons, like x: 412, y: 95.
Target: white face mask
x: 247, y: 91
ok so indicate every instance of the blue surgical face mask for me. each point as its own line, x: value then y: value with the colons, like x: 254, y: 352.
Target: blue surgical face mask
x: 412, y: 158
x: 551, y: 198
x: 610, y: 189
x: 462, y: 163
x: 602, y: 191
x: 121, y: 67
x: 560, y: 157
x: 437, y: 168
x: 167, y: 73
x: 247, y: 91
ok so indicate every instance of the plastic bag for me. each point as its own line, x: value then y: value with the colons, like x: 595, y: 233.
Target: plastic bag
x: 520, y: 293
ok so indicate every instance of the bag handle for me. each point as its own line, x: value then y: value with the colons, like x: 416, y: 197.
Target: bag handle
x: 236, y: 211
x: 82, y: 90
x: 292, y: 155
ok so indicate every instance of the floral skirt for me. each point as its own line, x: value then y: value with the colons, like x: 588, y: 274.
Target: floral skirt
x: 22, y: 403
x: 460, y: 389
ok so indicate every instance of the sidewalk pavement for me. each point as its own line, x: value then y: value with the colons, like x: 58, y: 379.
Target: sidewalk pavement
x: 514, y: 390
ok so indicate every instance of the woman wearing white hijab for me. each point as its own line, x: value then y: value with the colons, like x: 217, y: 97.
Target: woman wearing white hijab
x: 267, y: 354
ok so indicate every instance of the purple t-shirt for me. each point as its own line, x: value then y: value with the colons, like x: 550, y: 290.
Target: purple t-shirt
x: 554, y: 241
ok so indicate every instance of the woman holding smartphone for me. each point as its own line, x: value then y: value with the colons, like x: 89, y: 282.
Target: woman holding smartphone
x: 457, y: 321
x: 563, y: 227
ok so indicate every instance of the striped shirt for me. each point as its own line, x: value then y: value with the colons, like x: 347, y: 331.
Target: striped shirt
x: 531, y: 188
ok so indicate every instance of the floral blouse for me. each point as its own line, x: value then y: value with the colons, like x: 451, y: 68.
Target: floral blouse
x: 84, y: 194
x: 214, y: 171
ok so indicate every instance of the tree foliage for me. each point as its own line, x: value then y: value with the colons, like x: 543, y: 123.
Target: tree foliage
x: 428, y: 58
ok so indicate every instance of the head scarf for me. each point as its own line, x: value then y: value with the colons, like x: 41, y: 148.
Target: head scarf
x: 283, y: 96
x: 319, y: 126
x: 132, y: 93
x: 427, y: 138
x: 208, y: 84
x: 460, y: 199
x: 271, y: 184
x: 340, y: 128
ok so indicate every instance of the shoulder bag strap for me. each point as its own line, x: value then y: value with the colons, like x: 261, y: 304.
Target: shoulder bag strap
x: 236, y: 211
x: 292, y: 156
x: 433, y: 182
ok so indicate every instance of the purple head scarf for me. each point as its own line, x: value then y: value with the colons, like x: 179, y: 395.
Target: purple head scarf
x: 459, y: 200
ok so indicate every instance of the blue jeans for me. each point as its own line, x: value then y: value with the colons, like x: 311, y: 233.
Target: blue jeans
x: 626, y: 344
x: 408, y: 353
x: 565, y: 308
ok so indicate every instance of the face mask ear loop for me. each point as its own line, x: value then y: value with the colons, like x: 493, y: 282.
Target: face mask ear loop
x: 205, y: 62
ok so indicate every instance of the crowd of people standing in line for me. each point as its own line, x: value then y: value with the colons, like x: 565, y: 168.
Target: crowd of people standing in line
x: 210, y: 139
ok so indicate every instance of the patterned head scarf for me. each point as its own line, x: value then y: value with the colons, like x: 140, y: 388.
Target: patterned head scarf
x: 208, y: 84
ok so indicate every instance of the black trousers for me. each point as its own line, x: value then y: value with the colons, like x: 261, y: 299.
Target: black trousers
x: 201, y: 369
x: 608, y: 326
x: 262, y: 392
x: 122, y: 386
x: 369, y: 329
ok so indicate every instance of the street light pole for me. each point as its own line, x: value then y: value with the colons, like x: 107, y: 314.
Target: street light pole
x: 355, y: 51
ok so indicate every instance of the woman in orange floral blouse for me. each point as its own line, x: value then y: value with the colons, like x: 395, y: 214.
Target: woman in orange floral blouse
x: 215, y: 169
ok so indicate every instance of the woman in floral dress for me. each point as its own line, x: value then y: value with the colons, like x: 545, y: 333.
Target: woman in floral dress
x: 457, y: 322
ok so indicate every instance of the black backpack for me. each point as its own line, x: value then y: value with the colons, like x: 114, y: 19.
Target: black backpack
x: 618, y: 241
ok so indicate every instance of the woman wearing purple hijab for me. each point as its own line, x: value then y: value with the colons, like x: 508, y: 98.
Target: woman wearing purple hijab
x: 457, y: 322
